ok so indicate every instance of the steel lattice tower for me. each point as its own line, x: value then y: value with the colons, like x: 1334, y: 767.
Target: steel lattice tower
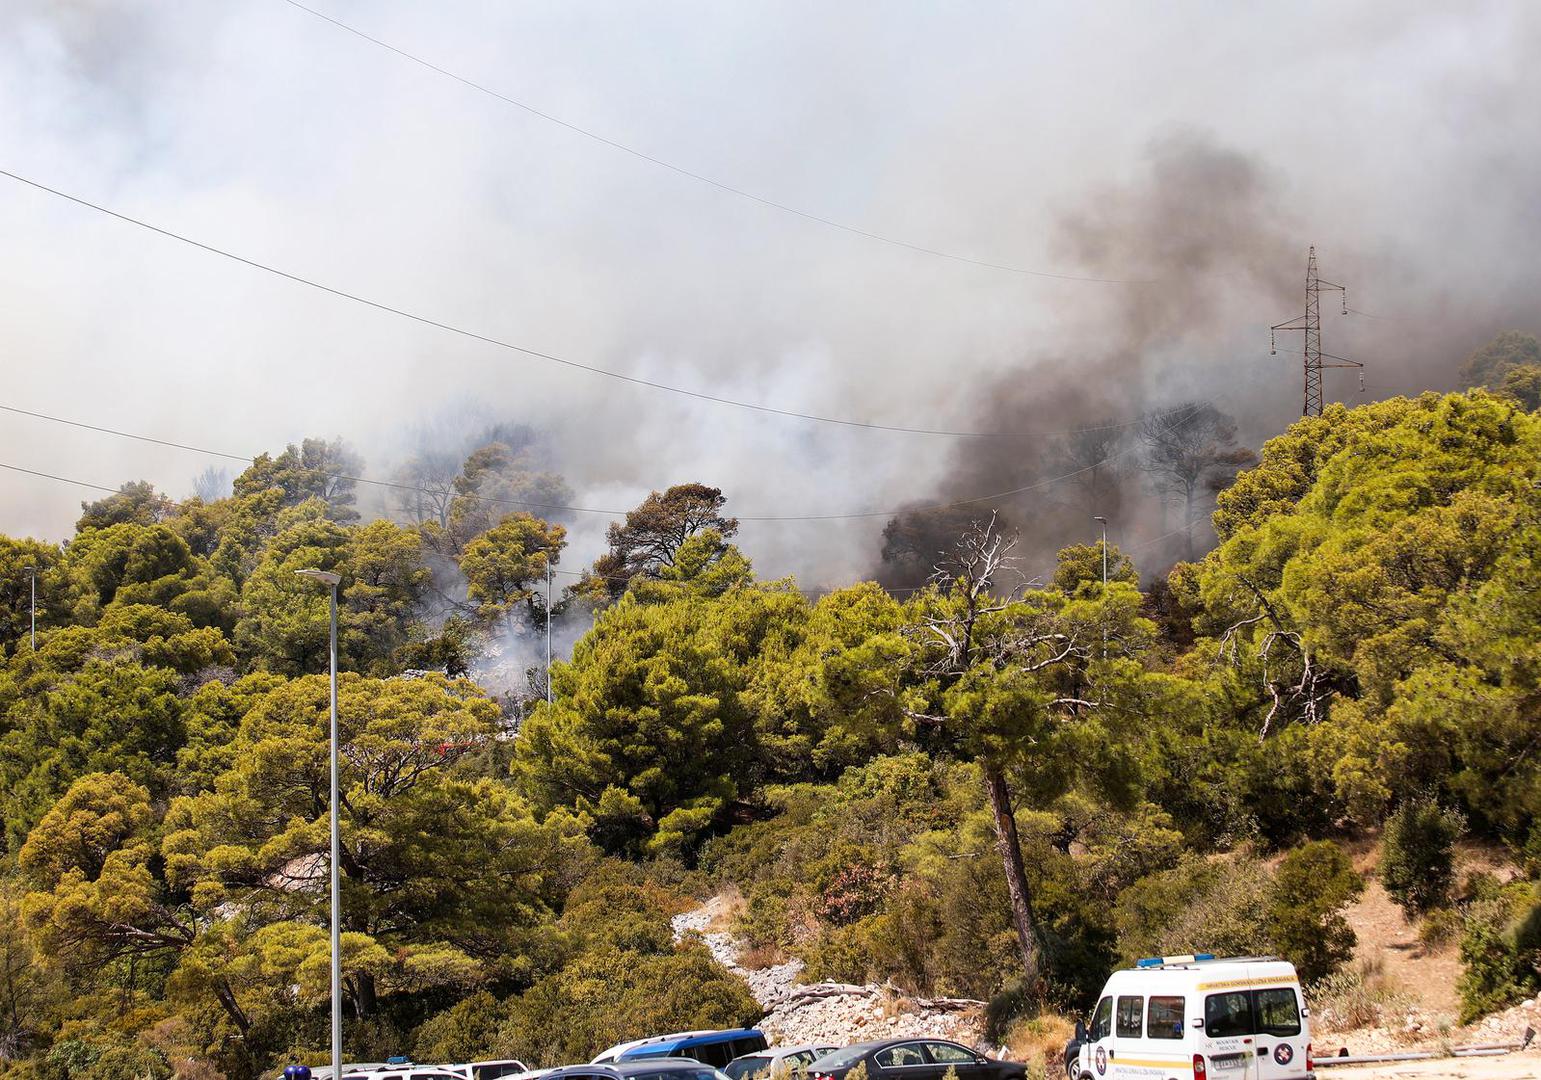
x: 1310, y: 325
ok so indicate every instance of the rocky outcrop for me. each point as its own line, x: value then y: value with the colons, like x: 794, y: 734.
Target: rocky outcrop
x: 833, y: 1013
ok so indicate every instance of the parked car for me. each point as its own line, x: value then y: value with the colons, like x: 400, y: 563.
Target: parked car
x: 395, y: 1069
x: 714, y: 1048
x: 914, y: 1059
x: 672, y: 1068
x: 777, y: 1062
x: 491, y: 1070
x: 350, y: 1070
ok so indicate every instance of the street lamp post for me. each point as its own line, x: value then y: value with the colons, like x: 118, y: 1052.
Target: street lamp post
x: 32, y: 574
x: 548, y: 628
x: 331, y: 580
x: 1104, y: 522
x: 1104, y: 549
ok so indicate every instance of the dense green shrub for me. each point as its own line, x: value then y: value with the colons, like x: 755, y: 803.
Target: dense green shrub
x: 1500, y: 948
x: 1234, y: 907
x: 1198, y: 906
x: 607, y: 996
x: 1311, y: 887
x: 842, y: 953
x: 1418, y: 854
x: 619, y: 907
x: 463, y: 1032
x: 1440, y: 927
x: 1530, y: 854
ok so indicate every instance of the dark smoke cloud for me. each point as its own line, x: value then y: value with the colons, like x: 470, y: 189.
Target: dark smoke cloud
x: 1202, y: 233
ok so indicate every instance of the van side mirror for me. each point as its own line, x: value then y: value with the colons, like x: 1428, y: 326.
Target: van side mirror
x: 1080, y: 1030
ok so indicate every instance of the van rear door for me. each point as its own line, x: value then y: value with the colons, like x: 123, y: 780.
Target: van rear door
x: 1226, y: 1038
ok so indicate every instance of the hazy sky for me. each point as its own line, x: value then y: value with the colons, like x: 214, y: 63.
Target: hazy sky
x: 1204, y: 144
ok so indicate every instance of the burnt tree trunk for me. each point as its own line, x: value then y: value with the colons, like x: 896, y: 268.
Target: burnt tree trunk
x: 365, y: 1000
x: 1010, y: 848
x: 227, y: 1000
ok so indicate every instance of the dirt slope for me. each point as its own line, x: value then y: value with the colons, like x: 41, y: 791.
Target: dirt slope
x: 1417, y: 987
x: 1388, y: 941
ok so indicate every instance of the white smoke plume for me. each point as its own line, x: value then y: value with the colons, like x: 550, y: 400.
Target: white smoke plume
x: 1204, y: 145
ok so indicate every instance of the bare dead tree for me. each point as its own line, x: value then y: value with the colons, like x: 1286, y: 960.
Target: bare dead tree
x: 1191, y: 455
x: 1093, y: 459
x: 1298, y: 697
x: 978, y: 625
x: 431, y: 478
x: 915, y: 540
x: 982, y: 556
x: 212, y: 484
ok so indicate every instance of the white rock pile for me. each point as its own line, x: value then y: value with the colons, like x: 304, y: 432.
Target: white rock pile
x: 1509, y: 1025
x: 833, y: 1013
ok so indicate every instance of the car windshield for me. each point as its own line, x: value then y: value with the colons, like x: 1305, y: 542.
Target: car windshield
x: 841, y: 1059
x: 747, y: 1066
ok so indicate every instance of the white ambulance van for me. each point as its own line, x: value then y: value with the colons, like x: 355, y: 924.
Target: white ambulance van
x: 1197, y: 1018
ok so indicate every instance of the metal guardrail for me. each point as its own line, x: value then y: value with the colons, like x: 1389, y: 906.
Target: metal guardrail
x: 1473, y: 1050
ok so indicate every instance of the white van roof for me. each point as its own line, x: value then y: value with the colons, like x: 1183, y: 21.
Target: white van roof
x: 1204, y: 972
x: 1195, y: 959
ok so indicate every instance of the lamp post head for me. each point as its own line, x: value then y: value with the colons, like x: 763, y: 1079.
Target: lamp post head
x: 1101, y: 519
x: 326, y: 577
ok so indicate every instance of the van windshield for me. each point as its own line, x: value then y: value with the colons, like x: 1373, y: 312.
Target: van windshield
x: 1102, y: 1020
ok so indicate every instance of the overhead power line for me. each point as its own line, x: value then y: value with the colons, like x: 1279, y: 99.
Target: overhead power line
x: 1037, y: 485
x: 486, y: 339
x: 720, y: 185
x: 60, y: 479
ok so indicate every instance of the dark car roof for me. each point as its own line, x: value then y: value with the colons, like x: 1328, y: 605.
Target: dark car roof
x: 879, y: 1044
x: 635, y: 1067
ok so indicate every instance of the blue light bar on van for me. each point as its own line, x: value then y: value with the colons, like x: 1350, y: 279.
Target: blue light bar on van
x: 1160, y: 961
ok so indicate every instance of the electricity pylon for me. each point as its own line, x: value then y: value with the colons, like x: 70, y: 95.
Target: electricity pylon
x: 1310, y: 324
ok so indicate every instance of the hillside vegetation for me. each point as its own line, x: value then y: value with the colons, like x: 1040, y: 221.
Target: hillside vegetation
x: 971, y: 790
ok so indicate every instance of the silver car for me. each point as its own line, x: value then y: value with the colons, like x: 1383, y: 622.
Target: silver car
x: 778, y: 1063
